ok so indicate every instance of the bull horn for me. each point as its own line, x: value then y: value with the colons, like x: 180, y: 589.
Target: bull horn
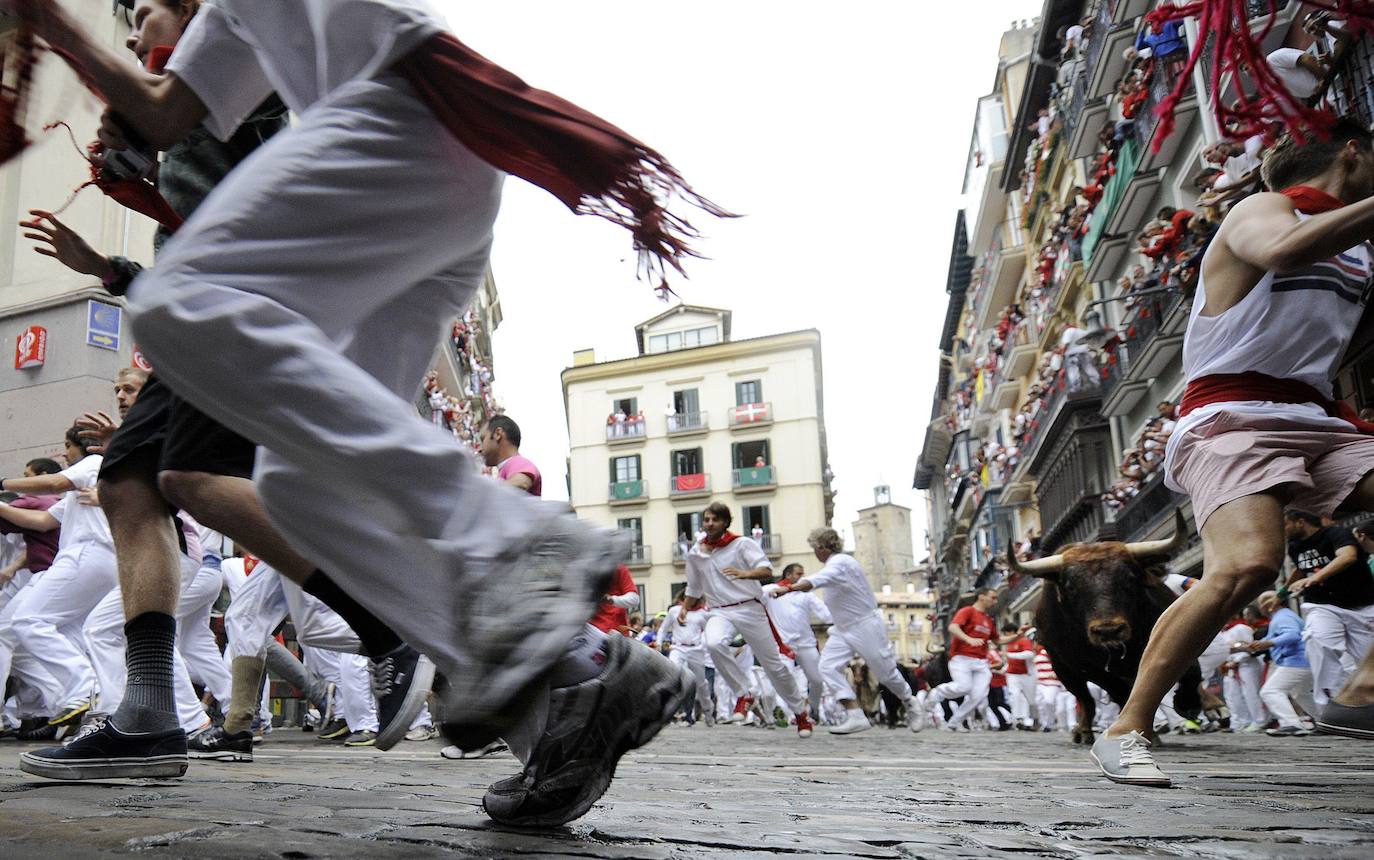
x: 1043, y: 567
x: 1165, y: 546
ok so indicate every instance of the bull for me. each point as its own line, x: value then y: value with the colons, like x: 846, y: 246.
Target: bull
x: 1096, y: 611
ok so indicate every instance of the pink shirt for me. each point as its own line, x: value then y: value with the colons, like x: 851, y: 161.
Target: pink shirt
x: 518, y: 465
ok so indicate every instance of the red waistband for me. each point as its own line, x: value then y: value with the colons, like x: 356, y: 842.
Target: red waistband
x: 1232, y: 387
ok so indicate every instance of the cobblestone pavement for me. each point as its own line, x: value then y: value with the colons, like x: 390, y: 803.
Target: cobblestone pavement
x: 726, y: 792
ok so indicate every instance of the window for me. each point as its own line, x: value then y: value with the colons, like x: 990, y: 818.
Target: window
x: 699, y: 336
x: 665, y: 342
x: 625, y: 469
x: 748, y: 392
x: 633, y: 525
x: 687, y: 462
x: 627, y: 405
x: 688, y: 525
x: 746, y: 455
x: 686, y: 402
x: 754, y: 515
x: 683, y: 339
x: 677, y: 588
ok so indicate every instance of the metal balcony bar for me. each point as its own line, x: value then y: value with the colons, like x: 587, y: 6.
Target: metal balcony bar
x: 628, y: 491
x: 640, y: 556
x: 625, y: 431
x: 686, y: 422
x: 755, y: 477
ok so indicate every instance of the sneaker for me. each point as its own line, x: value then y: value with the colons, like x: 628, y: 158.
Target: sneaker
x: 422, y: 733
x: 743, y: 706
x: 42, y: 732
x: 1352, y: 721
x: 1127, y: 760
x: 1252, y: 729
x: 1190, y: 727
x: 70, y: 714
x: 804, y: 727
x: 1288, y: 732
x: 108, y: 753
x: 215, y: 744
x: 854, y: 722
x: 361, y: 739
x: 553, y: 584
x: 336, y: 730
x: 492, y: 748
x: 590, y: 726
x: 93, y: 723
x: 400, y: 684
x: 915, y: 714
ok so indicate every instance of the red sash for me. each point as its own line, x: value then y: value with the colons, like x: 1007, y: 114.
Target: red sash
x: 1231, y: 387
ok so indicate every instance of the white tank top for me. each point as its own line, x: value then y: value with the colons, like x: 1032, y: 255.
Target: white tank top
x: 1295, y: 325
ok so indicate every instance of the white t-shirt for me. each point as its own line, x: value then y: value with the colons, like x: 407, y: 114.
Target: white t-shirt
x: 81, y: 523
x: 792, y: 614
x: 845, y: 589
x: 1299, y: 81
x: 1237, y: 167
x: 235, y: 53
x: 706, y: 577
x: 685, y: 634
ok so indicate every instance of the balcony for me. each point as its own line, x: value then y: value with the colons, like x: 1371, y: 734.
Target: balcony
x: 755, y: 479
x: 680, y: 552
x: 640, y: 556
x: 1059, y: 403
x: 1103, y: 62
x: 1083, y: 118
x: 690, y: 486
x: 1005, y: 267
x: 772, y: 545
x: 1021, y: 352
x: 629, y: 431
x: 1150, y: 506
x: 1147, y: 128
x: 687, y: 423
x: 748, y: 415
x: 1153, y: 337
x: 1350, y: 89
x: 628, y: 493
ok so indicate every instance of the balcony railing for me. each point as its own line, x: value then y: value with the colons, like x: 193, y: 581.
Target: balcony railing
x: 1148, y: 318
x: 626, y: 492
x: 1086, y: 385
x: 640, y: 556
x: 751, y: 415
x: 754, y: 478
x: 685, y: 486
x: 1153, y: 500
x: 680, y: 550
x: 625, y: 431
x: 1350, y: 88
x: 1162, y: 83
x: 686, y: 422
x: 772, y: 544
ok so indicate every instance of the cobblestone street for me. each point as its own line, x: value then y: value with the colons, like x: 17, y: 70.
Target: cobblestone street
x: 727, y: 792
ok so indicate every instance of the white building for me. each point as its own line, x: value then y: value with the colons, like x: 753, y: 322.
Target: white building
x: 697, y: 417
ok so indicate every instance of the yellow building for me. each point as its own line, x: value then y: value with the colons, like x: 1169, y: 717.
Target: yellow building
x: 695, y: 417
x: 907, y: 611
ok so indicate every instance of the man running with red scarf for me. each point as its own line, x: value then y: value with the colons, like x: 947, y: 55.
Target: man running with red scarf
x: 1282, y: 289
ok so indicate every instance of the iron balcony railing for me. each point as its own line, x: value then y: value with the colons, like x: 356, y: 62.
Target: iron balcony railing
x: 628, y: 491
x: 1147, y: 318
x: 622, y: 431
x: 755, y: 477
x: 686, y: 422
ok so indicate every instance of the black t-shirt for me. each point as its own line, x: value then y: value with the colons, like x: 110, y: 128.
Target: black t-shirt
x: 1349, y: 589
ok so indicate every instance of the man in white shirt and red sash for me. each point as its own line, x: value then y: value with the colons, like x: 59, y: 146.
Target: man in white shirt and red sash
x: 1281, y: 291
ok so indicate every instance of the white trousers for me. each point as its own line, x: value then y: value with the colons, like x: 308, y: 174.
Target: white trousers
x: 263, y: 601
x: 970, y: 678
x: 51, y: 612
x: 1285, y: 685
x: 1021, y: 691
x: 808, y: 660
x: 30, y: 676
x: 353, y: 700
x: 691, y: 660
x: 867, y: 639
x: 1241, y: 689
x: 751, y: 622
x: 195, y: 639
x: 1056, y: 706
x: 1336, y: 641
x: 300, y: 306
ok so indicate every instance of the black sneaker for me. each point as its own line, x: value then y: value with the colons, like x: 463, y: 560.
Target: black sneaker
x: 335, y: 730
x: 361, y: 738
x: 400, y: 684
x: 42, y: 732
x: 215, y: 744
x: 590, y: 726
x: 108, y: 753
x: 1353, y: 721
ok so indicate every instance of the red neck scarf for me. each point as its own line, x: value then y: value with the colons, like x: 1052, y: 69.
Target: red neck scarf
x: 724, y: 540
x: 1311, y: 201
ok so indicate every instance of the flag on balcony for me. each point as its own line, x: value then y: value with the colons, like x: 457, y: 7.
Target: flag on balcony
x: 688, y: 483
x: 751, y: 412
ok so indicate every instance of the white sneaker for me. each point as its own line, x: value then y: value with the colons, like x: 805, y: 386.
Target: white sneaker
x: 915, y: 714
x: 1127, y: 760
x: 1253, y: 729
x: 854, y: 722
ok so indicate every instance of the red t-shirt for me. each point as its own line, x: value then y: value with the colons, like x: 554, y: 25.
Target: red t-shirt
x: 999, y: 676
x: 1015, y: 666
x: 609, y: 617
x: 975, y: 624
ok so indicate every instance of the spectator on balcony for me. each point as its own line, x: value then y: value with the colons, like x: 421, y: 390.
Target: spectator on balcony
x: 757, y: 534
x: 1300, y: 71
x: 1079, y: 372
x: 500, y: 448
x: 760, y: 463
x: 1239, y: 162
x: 618, y: 422
x: 1330, y: 37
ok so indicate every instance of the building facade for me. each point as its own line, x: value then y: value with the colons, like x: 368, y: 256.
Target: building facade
x: 693, y: 417
x: 882, y: 541
x: 1071, y: 278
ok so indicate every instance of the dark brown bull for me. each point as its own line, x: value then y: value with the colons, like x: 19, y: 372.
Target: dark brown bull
x: 1098, y: 606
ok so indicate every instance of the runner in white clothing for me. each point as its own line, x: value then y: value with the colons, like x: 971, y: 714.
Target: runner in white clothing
x: 688, y: 638
x: 724, y: 571
x: 858, y: 631
x: 792, y: 613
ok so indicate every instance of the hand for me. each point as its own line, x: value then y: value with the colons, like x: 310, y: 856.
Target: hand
x: 1300, y: 585
x: 736, y: 573
x: 96, y: 427
x: 90, y: 497
x: 682, y: 616
x: 6, y: 575
x: 59, y: 241
x: 110, y: 133
x: 976, y: 642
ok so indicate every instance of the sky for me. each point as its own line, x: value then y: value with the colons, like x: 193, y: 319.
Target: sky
x: 840, y: 136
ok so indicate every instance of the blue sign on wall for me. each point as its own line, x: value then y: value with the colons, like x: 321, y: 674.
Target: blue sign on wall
x: 102, y: 325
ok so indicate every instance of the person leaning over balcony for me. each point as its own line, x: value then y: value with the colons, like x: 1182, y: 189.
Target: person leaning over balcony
x: 1281, y: 292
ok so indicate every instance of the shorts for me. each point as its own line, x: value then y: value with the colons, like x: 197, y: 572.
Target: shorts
x: 161, y: 432
x: 1235, y: 455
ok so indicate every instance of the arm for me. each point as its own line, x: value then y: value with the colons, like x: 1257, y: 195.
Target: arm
x: 1345, y: 557
x: 7, y: 573
x: 162, y: 109
x: 521, y: 481
x: 959, y: 634
x: 34, y: 521
x: 39, y: 485
x: 1263, y: 231
x: 57, y: 240
x: 695, y: 594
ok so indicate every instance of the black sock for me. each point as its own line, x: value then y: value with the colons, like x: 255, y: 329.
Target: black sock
x: 378, y: 639
x: 149, y: 703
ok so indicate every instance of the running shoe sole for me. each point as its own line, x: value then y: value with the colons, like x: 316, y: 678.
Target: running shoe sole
x: 1121, y: 780
x: 416, y: 694
x: 107, y: 768
x: 221, y: 755
x: 1345, y: 731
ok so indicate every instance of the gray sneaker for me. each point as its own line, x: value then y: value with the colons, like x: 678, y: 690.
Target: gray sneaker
x: 552, y: 586
x: 590, y: 726
x: 1127, y: 760
x: 1353, y: 721
x: 1288, y: 732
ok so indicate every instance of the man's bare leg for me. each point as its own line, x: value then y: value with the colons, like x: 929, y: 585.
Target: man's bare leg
x: 1242, y: 545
